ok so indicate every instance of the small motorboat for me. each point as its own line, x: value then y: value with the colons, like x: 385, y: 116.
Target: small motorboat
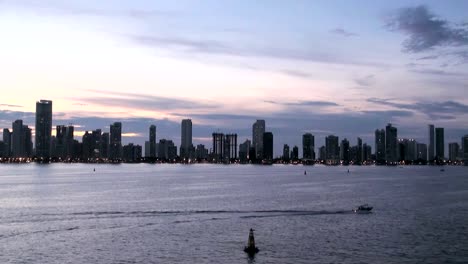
x: 251, y: 249
x: 363, y: 209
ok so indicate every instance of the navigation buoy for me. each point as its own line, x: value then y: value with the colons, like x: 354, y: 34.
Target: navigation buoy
x: 305, y: 172
x: 251, y: 249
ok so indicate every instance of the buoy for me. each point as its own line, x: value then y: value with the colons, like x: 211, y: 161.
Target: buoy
x: 305, y: 172
x: 251, y: 249
x: 94, y: 169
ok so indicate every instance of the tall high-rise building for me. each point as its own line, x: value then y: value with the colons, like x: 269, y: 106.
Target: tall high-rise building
x: 295, y: 153
x: 218, y: 146
x: 431, y: 144
x: 359, y: 151
x: 391, y: 144
x: 258, y: 129
x: 201, y: 152
x: 104, y: 145
x: 7, y: 142
x: 60, y: 142
x: 286, y: 152
x: 332, y: 149
x: 244, y: 150
x: 380, y: 146
x: 186, y: 147
x: 17, y: 140
x: 308, y: 146
x: 70, y: 142
x: 465, y: 147
x: 268, y: 146
x: 230, y: 146
x: 421, y: 152
x: 439, y: 143
x: 454, y: 149
x: 152, y: 142
x: 28, y: 145
x: 344, y: 151
x: 115, y: 141
x: 43, y: 128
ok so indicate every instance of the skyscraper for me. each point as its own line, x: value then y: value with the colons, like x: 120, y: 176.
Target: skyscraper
x: 344, y: 151
x: 258, y: 129
x: 230, y: 146
x: 244, y: 150
x: 332, y: 149
x: 359, y: 152
x: 430, y: 145
x: 439, y: 143
x: 422, y: 152
x: 286, y: 152
x: 380, y: 146
x: 43, y: 128
x: 268, y: 146
x: 186, y: 139
x: 454, y: 149
x: 308, y: 145
x: 218, y: 146
x: 152, y: 142
x: 115, y: 141
x: 465, y: 147
x: 7, y: 142
x: 391, y: 144
x: 60, y: 132
x: 295, y: 153
x: 17, y: 139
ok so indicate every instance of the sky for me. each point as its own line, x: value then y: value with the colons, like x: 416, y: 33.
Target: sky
x: 325, y: 67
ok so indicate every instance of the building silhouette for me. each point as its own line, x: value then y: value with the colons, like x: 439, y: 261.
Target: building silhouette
x: 244, y: 149
x: 6, y: 142
x: 380, y: 146
x: 167, y: 150
x: 18, y: 148
x: 465, y: 148
x: 295, y: 153
x: 152, y: 142
x: 201, y: 152
x: 186, y: 146
x: 131, y: 153
x: 115, y: 141
x: 391, y: 144
x: 454, y: 151
x: 439, y: 144
x: 43, y: 128
x: 268, y: 146
x: 286, y: 152
x: 332, y: 150
x: 258, y: 129
x: 359, y: 151
x: 431, y: 144
x: 345, y: 151
x: 230, y: 147
x: 308, y: 146
x: 421, y: 152
x: 218, y: 146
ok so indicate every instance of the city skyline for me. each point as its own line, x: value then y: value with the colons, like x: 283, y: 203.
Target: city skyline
x: 145, y: 63
x: 388, y: 148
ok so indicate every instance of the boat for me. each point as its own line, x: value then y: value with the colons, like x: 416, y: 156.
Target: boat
x: 251, y: 249
x: 363, y: 209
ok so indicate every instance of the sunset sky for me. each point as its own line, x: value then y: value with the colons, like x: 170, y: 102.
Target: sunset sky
x: 325, y: 67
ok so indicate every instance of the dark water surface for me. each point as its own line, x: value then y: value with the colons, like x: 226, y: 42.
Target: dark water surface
x: 66, y: 213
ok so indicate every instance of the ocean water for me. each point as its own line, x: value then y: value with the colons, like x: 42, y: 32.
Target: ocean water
x: 142, y: 213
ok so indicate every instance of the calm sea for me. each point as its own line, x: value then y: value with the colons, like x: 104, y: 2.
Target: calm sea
x: 68, y: 213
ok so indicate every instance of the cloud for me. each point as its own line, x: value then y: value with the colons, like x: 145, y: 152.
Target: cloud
x: 66, y: 8
x: 342, y: 32
x: 434, y: 110
x: 304, y: 103
x: 144, y: 102
x: 426, y: 31
x: 437, y: 72
x: 213, y: 47
x: 296, y: 73
x: 11, y: 105
x: 366, y: 80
